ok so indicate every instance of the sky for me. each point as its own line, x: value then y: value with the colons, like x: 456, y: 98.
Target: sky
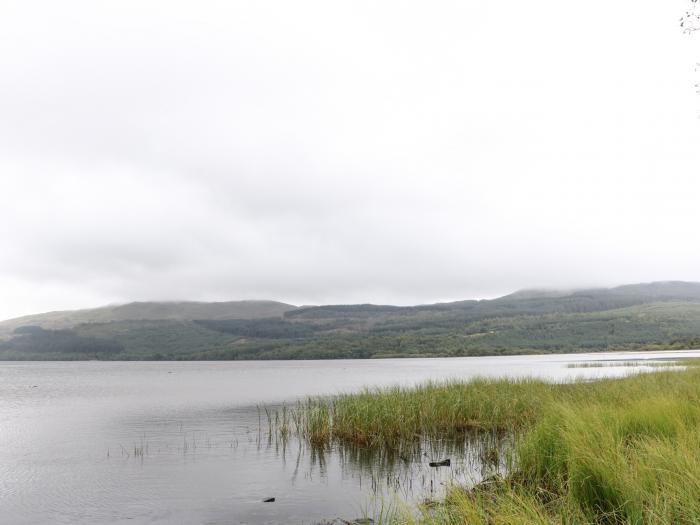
x: 340, y: 152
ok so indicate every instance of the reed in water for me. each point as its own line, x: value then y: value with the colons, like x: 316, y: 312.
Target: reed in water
x: 613, y: 451
x: 391, y: 416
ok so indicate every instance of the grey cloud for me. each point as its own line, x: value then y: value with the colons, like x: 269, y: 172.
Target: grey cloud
x: 338, y: 152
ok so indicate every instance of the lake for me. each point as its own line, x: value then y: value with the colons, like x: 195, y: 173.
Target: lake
x: 180, y: 442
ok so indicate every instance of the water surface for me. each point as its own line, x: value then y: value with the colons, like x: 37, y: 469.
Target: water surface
x: 180, y: 442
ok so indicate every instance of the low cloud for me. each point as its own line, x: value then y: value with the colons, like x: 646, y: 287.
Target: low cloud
x: 349, y: 153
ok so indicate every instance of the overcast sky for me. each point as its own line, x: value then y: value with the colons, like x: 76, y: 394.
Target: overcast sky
x: 325, y: 152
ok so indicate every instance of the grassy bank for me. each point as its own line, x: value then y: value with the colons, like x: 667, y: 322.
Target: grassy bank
x: 611, y: 451
x: 633, y: 461
x: 391, y: 416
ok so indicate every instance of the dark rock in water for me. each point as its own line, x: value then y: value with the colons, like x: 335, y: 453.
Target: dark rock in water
x: 443, y: 463
x: 269, y: 500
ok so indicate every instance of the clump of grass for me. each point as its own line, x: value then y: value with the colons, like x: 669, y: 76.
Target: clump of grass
x: 626, y: 462
x: 390, y: 417
x: 612, y: 451
x: 622, y: 451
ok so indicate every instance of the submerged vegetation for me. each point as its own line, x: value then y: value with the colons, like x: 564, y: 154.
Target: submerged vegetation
x: 649, y: 363
x: 613, y: 451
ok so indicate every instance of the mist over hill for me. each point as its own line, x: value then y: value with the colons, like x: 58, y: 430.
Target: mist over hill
x: 151, y: 311
x: 637, y: 316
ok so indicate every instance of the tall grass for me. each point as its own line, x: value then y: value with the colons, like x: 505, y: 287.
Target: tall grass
x: 390, y: 417
x: 625, y: 452
x: 613, y: 451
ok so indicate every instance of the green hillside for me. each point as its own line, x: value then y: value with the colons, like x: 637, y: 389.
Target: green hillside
x: 150, y: 311
x: 643, y: 316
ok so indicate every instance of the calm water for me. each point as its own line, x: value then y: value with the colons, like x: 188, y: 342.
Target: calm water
x: 179, y: 442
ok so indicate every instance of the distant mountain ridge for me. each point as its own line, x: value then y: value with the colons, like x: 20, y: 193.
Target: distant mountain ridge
x: 653, y: 290
x: 585, y: 299
x: 636, y: 316
x: 152, y: 311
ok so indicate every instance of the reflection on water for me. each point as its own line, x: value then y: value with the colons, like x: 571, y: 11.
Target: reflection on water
x: 185, y: 443
x: 325, y: 481
x: 408, y: 473
x: 406, y: 470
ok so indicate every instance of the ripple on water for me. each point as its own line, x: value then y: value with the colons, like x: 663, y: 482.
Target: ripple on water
x: 130, y: 442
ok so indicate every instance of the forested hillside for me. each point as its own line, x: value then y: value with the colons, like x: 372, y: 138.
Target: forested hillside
x: 643, y: 316
x: 151, y: 311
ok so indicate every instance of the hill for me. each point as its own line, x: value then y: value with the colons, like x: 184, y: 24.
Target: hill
x: 638, y: 316
x: 151, y: 311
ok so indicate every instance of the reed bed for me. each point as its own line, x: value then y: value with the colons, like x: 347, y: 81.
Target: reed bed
x: 392, y: 416
x: 611, y: 451
x: 623, y: 451
x: 395, y: 417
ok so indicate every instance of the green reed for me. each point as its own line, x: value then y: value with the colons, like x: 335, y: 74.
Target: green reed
x: 617, y: 451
